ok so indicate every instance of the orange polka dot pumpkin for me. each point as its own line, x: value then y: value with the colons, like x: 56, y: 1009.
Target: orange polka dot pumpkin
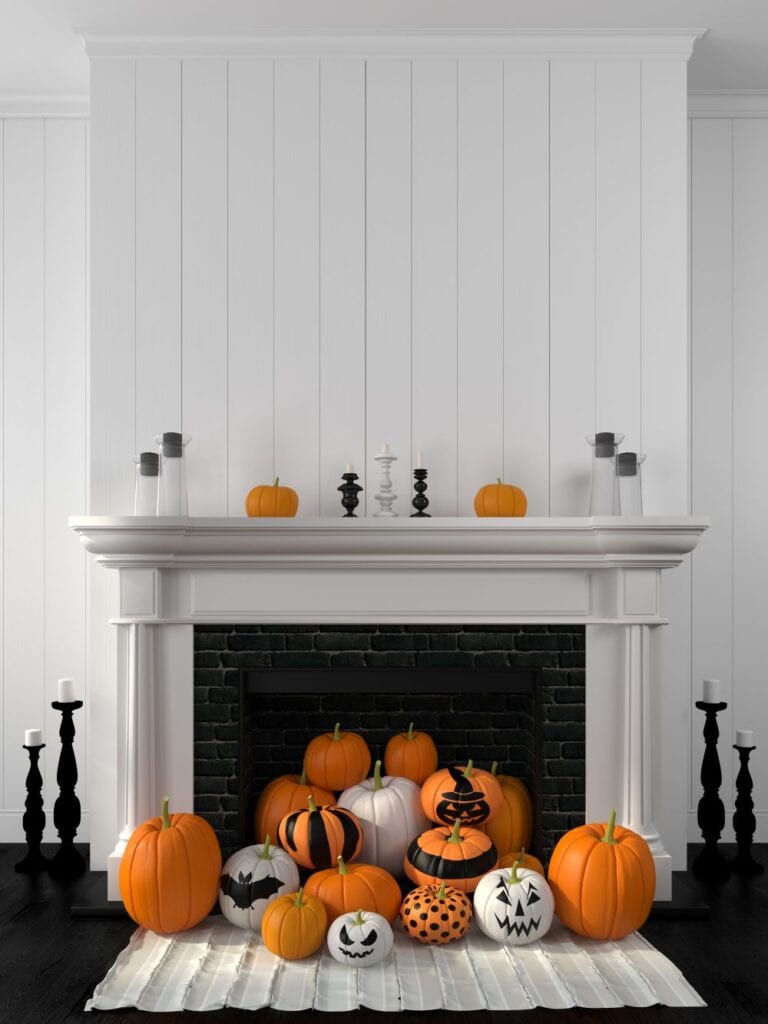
x: 436, y: 914
x: 458, y: 856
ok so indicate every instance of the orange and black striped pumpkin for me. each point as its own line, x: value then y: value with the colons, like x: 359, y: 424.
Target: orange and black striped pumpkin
x: 459, y: 856
x: 318, y: 836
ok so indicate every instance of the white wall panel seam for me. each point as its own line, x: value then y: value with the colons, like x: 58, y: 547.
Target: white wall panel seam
x: 2, y: 468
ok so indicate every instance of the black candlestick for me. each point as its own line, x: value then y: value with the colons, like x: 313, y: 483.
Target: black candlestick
x: 349, y: 494
x: 67, y: 862
x: 744, y: 819
x: 710, y: 863
x: 420, y: 500
x: 33, y: 821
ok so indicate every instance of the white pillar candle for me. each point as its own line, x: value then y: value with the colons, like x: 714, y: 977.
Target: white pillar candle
x: 33, y: 737
x: 66, y: 691
x: 711, y: 691
x: 419, y: 459
x: 385, y: 449
x: 350, y: 468
x: 745, y: 738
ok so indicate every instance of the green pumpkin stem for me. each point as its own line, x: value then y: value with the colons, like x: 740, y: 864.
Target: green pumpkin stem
x: 312, y: 804
x: 608, y: 837
x: 410, y: 731
x: 337, y: 731
x: 277, y: 481
x: 514, y: 878
x: 377, y: 783
x: 299, y: 901
x: 494, y: 768
x: 164, y: 813
x: 498, y: 480
x: 265, y: 851
x: 342, y: 865
x: 468, y: 769
x: 440, y: 894
x: 454, y: 837
x: 358, y: 919
x: 303, y: 776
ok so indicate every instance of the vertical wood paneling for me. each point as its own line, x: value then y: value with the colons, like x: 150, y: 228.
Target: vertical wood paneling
x: 250, y: 291
x: 2, y: 470
x: 388, y: 273
x: 617, y: 250
x: 712, y: 421
x: 24, y: 444
x: 297, y: 328
x: 204, y: 283
x: 65, y: 403
x: 571, y: 283
x: 526, y: 280
x: 480, y: 277
x: 342, y: 276
x: 434, y: 252
x: 158, y: 249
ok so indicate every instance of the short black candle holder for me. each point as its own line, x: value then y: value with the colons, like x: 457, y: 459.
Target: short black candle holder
x: 67, y: 862
x: 710, y: 865
x: 420, y: 500
x: 744, y: 819
x: 349, y: 494
x: 33, y: 821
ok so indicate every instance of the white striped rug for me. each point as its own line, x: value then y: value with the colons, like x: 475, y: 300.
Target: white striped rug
x: 217, y: 965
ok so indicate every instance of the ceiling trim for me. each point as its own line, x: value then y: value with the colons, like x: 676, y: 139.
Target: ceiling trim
x: 55, y: 104
x: 728, y: 103
x: 592, y: 44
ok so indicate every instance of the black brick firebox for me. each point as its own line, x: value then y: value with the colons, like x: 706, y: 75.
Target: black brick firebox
x: 486, y: 726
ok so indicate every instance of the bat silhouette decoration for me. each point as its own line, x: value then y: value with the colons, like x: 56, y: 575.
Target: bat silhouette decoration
x: 244, y: 892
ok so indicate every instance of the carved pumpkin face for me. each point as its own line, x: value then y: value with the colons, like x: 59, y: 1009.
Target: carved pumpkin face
x: 514, y: 907
x: 360, y: 940
x: 463, y: 803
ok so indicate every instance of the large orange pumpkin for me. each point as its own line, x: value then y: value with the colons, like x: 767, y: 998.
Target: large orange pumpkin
x: 169, y: 874
x: 436, y: 914
x: 500, y: 500
x: 522, y: 860
x: 458, y: 856
x: 603, y: 878
x: 281, y: 796
x: 466, y: 794
x: 511, y: 827
x: 294, y: 925
x: 317, y: 836
x: 411, y: 755
x: 281, y: 502
x: 337, y: 760
x: 362, y: 886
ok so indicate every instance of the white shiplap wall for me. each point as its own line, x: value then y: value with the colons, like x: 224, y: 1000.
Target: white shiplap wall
x: 44, y: 310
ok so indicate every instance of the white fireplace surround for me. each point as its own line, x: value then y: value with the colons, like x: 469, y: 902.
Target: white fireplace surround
x: 176, y: 573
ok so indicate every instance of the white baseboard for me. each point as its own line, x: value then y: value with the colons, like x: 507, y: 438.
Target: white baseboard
x: 761, y: 832
x: 11, y: 830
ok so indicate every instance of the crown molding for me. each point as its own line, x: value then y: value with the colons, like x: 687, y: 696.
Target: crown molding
x: 728, y: 103
x: 54, y: 104
x: 592, y: 44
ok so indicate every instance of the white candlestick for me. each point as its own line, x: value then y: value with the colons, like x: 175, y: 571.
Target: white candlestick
x: 711, y: 691
x: 66, y: 691
x: 385, y: 448
x: 350, y: 468
x: 745, y: 738
x: 419, y: 460
x: 33, y: 737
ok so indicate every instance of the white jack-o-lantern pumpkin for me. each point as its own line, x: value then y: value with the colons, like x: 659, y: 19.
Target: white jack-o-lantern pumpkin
x: 251, y: 879
x: 389, y: 809
x: 361, y: 939
x: 514, y: 905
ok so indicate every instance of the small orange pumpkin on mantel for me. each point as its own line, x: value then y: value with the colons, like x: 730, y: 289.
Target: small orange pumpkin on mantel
x: 500, y: 500
x: 275, y: 501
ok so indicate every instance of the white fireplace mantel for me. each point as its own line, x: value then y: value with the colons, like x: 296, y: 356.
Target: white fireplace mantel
x: 175, y: 573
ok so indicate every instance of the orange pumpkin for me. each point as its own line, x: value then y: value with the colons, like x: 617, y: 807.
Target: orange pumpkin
x: 337, y: 760
x: 281, y: 502
x: 169, y: 874
x: 411, y: 755
x: 281, y: 796
x: 522, y: 860
x: 466, y: 794
x: 500, y: 500
x: 317, y: 836
x: 511, y: 827
x: 436, y: 914
x: 358, y: 886
x: 294, y: 925
x: 458, y: 856
x: 603, y: 879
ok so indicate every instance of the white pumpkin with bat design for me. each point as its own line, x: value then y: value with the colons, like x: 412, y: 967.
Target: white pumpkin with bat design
x: 514, y: 905
x: 251, y: 879
x: 361, y: 939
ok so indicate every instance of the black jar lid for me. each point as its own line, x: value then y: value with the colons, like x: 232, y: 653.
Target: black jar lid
x: 172, y: 445
x: 605, y: 444
x: 627, y: 464
x: 149, y: 464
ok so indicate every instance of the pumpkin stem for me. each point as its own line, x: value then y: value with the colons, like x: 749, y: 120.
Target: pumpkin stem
x: 299, y: 901
x: 514, y: 878
x: 410, y: 731
x: 164, y: 813
x: 265, y: 852
x: 454, y: 837
x: 468, y: 769
x: 498, y: 480
x: 337, y: 731
x: 440, y: 894
x: 312, y: 804
x: 608, y: 837
x: 377, y: 783
x: 494, y: 768
x: 277, y: 481
x: 303, y: 778
x: 358, y: 919
x: 342, y: 865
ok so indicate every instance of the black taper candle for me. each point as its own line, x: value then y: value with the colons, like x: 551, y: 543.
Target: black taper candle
x: 67, y: 862
x: 744, y: 819
x: 710, y: 864
x: 33, y: 821
x: 420, y: 500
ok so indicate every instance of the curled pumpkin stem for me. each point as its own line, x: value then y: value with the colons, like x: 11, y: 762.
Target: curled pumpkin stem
x: 164, y: 813
x: 514, y: 878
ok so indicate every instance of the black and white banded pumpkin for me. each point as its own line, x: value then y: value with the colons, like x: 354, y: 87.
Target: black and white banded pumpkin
x: 318, y: 836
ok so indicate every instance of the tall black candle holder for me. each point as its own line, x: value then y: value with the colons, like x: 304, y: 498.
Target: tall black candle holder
x: 33, y: 821
x: 420, y: 500
x: 744, y: 819
x: 67, y: 862
x: 349, y: 494
x: 710, y: 865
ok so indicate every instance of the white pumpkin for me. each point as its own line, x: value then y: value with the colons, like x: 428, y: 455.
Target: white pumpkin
x: 390, y: 812
x: 251, y: 879
x: 360, y: 940
x: 514, y: 905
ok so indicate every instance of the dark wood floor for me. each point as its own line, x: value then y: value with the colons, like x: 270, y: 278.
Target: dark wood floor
x: 50, y: 963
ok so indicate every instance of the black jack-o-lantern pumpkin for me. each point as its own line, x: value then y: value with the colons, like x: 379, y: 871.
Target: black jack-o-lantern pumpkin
x: 361, y: 939
x: 514, y: 906
x: 465, y: 794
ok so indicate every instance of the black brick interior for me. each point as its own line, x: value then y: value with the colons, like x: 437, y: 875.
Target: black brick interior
x: 484, y: 726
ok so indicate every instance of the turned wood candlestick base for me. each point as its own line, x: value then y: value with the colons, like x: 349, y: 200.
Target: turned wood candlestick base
x: 420, y: 500
x: 744, y: 819
x: 710, y: 865
x: 33, y: 821
x: 67, y: 862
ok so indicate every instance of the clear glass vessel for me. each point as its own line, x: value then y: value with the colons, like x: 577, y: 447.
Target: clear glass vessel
x: 145, y: 490
x: 172, y: 491
x: 604, y: 489
x: 630, y: 482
